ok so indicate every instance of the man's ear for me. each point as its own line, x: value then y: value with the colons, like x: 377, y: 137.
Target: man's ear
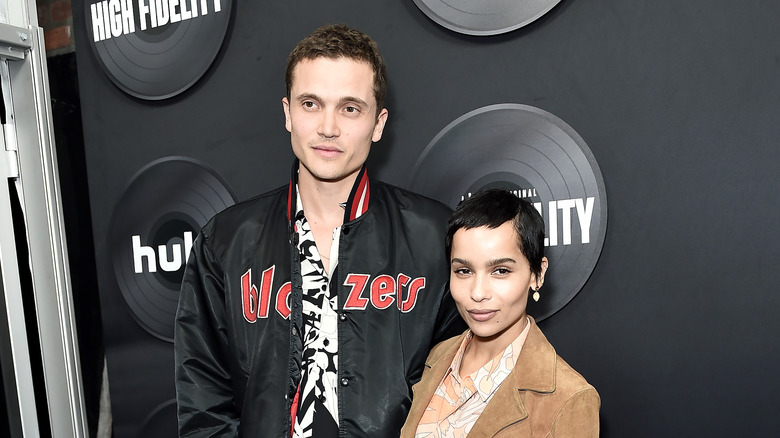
x: 286, y: 108
x: 379, y: 126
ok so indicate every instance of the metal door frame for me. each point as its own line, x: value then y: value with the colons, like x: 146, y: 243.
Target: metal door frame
x: 29, y: 161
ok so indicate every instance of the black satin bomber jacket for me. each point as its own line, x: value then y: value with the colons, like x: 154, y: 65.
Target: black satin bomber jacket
x: 237, y: 349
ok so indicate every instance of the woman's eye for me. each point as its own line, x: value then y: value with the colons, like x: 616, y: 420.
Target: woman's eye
x: 502, y: 271
x: 462, y: 271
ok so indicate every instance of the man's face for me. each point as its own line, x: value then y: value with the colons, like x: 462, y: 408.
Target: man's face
x: 332, y: 117
x: 489, y: 281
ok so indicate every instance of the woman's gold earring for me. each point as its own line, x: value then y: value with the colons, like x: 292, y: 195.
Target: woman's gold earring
x: 536, y: 295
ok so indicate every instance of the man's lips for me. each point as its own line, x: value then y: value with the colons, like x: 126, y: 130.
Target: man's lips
x: 482, y: 315
x: 326, y: 151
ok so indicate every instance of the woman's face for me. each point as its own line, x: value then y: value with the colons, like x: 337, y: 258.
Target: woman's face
x: 489, y: 281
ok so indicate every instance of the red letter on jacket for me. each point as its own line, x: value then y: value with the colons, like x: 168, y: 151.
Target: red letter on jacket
x: 248, y: 297
x: 414, y: 289
x: 358, y: 283
x: 382, y: 290
x: 282, y: 303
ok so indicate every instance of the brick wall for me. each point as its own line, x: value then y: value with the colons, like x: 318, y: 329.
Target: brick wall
x: 56, y: 19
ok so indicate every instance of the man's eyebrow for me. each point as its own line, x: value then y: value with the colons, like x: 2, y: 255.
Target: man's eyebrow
x: 357, y: 100
x: 307, y: 96
x: 346, y: 99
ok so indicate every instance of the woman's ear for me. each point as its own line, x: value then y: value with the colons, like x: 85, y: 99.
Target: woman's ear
x: 540, y: 277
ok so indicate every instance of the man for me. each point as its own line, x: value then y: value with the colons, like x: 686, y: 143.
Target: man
x: 309, y: 310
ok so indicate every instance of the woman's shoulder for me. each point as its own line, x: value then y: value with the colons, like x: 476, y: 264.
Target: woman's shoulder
x: 569, y: 381
x: 444, y: 347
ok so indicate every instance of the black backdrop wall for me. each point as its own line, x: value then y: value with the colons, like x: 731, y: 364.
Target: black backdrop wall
x: 678, y: 101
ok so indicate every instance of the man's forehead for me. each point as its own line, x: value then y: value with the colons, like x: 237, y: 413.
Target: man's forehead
x: 333, y: 79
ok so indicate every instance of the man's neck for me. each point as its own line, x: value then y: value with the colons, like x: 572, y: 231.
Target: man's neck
x: 321, y: 199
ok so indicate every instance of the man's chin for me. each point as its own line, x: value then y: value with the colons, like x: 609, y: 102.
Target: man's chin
x: 330, y: 177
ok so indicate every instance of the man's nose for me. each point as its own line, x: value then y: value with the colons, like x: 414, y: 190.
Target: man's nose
x: 328, y: 126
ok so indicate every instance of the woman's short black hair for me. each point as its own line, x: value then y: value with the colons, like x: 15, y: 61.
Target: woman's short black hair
x: 492, y: 208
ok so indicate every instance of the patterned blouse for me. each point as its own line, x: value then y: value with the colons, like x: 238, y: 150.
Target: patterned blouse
x: 458, y: 401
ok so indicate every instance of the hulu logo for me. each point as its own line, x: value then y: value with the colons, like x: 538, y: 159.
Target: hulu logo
x: 168, y: 258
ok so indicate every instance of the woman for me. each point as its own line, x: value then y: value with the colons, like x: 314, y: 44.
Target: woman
x: 501, y: 378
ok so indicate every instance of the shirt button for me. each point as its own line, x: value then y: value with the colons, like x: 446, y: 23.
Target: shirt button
x: 295, y: 331
x: 342, y: 316
x: 344, y: 381
x: 322, y: 399
x: 345, y: 230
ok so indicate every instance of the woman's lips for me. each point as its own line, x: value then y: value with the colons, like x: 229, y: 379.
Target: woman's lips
x: 482, y: 315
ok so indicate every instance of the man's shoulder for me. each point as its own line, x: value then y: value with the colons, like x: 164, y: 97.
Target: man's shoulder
x: 258, y: 208
x: 404, y: 199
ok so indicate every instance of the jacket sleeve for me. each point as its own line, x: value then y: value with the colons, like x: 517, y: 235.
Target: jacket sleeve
x: 448, y: 321
x: 204, y: 392
x: 579, y: 416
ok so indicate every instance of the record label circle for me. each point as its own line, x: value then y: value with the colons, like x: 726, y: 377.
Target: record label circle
x: 484, y: 17
x: 152, y: 229
x: 179, y: 43
x: 540, y: 158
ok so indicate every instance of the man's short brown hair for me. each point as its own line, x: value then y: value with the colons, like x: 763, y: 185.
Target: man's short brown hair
x: 336, y: 41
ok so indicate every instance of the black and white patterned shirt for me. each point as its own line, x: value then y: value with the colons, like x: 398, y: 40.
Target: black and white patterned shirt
x: 317, y: 394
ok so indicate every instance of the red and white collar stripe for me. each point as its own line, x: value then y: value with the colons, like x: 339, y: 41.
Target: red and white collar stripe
x: 356, y: 205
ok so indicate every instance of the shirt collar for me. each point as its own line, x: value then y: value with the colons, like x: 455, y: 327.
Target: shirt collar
x: 489, y: 377
x: 356, y: 205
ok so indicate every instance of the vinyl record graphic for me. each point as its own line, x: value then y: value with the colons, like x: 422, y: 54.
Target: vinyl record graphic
x: 162, y: 60
x: 484, y: 17
x: 151, y: 231
x: 542, y: 159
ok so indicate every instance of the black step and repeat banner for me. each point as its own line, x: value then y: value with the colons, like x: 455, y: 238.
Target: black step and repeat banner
x: 181, y: 105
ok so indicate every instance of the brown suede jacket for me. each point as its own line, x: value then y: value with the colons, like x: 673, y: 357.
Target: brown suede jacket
x: 542, y: 397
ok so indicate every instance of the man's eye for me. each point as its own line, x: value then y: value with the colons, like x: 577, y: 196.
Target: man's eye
x: 308, y: 104
x: 351, y: 109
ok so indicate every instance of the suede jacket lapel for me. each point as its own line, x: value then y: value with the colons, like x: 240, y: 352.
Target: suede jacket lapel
x: 437, y: 363
x: 534, y: 371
